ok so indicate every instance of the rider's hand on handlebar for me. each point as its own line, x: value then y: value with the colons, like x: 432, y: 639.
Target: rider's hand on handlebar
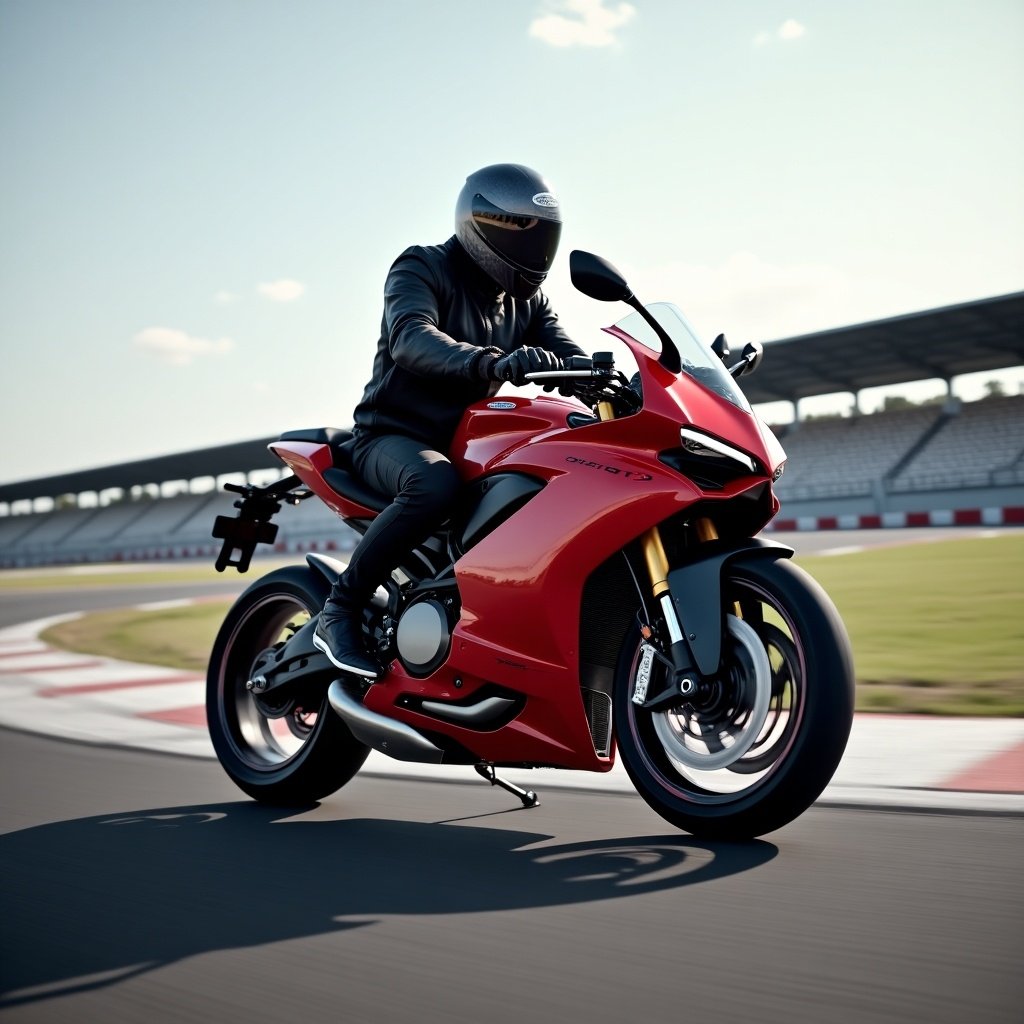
x: 568, y: 387
x: 517, y: 364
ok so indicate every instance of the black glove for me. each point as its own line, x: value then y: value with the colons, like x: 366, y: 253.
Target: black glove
x: 516, y: 365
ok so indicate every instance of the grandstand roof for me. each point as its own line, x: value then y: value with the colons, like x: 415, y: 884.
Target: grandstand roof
x: 987, y: 334
x: 241, y: 457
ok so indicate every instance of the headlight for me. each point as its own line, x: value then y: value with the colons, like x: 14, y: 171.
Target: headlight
x: 698, y: 443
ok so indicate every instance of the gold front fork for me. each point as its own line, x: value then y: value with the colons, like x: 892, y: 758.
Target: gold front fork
x: 657, y: 560
x: 650, y: 542
x: 705, y: 530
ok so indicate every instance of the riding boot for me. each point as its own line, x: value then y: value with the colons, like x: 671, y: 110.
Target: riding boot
x: 339, y: 633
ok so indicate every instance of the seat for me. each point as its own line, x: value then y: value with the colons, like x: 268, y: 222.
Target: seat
x: 341, y: 477
x: 333, y: 436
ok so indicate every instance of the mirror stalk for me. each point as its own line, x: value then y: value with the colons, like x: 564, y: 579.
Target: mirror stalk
x: 753, y: 353
x: 669, y: 353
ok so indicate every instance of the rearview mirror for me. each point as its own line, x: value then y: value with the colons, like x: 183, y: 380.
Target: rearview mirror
x: 597, y: 278
x: 750, y: 359
x: 753, y: 352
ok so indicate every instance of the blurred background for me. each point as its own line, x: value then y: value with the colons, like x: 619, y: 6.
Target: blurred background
x: 199, y: 202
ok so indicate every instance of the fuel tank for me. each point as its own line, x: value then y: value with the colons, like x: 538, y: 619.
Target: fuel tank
x: 497, y: 425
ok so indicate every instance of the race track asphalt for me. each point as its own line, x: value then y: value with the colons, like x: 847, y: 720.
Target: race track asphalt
x: 142, y: 887
x: 136, y: 886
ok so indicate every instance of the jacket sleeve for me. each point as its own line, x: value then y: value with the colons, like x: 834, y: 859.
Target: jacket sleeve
x: 546, y: 332
x: 412, y: 303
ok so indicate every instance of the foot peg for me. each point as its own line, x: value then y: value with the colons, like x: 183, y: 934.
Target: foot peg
x: 486, y: 771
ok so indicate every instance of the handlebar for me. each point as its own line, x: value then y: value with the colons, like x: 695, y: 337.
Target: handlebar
x: 601, y: 364
x: 592, y: 380
x: 559, y: 374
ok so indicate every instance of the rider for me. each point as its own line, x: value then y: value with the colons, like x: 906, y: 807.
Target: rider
x: 460, y: 319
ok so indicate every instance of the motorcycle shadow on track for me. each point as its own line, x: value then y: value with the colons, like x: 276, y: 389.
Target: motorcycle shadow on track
x: 94, y: 901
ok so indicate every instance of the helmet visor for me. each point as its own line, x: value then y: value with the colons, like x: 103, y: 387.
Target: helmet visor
x: 528, y: 243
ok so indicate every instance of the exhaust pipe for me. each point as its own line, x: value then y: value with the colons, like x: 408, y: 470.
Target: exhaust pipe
x: 396, y: 739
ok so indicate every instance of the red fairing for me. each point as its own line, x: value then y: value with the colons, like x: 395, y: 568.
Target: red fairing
x: 669, y: 396
x: 521, y: 586
x: 521, y: 589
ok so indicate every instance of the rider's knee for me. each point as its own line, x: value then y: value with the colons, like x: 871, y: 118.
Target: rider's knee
x: 434, y: 485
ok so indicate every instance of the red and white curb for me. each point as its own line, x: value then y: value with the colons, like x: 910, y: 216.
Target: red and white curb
x: 898, y: 761
x: 1003, y: 516
x: 95, y: 700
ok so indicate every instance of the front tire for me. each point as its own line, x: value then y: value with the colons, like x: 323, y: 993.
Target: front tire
x: 290, y: 759
x: 679, y: 760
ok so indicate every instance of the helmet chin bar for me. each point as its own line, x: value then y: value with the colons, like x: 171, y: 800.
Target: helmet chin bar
x: 520, y: 284
x: 525, y: 286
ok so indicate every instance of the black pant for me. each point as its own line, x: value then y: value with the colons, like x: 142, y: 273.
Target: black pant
x: 423, y: 483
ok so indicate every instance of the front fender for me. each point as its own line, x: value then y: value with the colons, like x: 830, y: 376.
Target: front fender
x: 696, y: 590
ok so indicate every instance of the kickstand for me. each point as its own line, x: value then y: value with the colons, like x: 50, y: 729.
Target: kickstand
x: 486, y: 771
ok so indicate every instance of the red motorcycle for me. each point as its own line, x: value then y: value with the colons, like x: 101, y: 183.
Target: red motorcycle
x: 600, y: 588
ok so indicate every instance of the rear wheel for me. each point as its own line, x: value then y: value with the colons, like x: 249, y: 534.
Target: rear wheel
x: 291, y: 750
x: 759, y: 745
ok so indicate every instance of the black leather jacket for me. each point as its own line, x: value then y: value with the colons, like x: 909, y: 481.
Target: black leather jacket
x: 444, y: 323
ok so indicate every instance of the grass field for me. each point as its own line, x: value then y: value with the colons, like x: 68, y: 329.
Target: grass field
x: 175, y: 637
x: 113, y: 574
x: 936, y: 628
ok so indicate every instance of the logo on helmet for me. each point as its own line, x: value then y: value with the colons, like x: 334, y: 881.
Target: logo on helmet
x: 544, y: 199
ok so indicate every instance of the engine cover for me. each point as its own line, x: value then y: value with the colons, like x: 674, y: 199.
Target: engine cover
x: 423, y: 636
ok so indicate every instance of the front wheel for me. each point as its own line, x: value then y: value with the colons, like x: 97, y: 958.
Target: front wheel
x: 764, y: 740
x: 298, y: 750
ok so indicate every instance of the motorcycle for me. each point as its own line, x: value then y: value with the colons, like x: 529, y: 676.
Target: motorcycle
x: 599, y: 591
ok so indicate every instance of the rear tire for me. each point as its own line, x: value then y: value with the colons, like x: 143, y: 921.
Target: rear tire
x: 295, y: 759
x: 799, y: 745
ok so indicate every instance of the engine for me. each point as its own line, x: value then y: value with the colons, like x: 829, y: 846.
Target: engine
x: 424, y: 632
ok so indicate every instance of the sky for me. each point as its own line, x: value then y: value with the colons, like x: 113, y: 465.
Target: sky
x: 200, y: 201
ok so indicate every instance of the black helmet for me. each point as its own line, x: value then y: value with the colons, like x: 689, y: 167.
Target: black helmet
x: 509, y: 223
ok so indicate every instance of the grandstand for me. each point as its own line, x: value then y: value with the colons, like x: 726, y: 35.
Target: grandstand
x: 956, y: 447
x: 153, y: 529
x: 870, y: 448
x: 953, y: 462
x: 981, y: 446
x: 117, y: 513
